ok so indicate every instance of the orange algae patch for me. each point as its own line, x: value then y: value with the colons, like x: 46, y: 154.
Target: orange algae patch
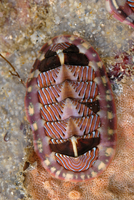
x: 125, y: 106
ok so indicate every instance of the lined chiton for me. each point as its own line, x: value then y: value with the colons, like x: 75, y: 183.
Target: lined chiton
x: 122, y: 10
x: 70, y: 106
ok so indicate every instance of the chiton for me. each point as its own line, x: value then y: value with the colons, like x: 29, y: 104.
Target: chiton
x: 71, y: 109
x: 122, y: 10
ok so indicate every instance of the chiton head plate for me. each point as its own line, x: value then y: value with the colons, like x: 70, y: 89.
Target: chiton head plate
x: 70, y: 106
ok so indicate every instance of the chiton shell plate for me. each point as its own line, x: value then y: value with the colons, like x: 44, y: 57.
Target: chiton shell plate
x: 123, y: 10
x: 71, y: 109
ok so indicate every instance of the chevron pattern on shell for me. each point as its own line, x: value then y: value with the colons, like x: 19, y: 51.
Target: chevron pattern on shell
x: 70, y: 106
x: 131, y: 4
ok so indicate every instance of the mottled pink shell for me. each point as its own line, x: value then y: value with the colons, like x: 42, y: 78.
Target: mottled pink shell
x: 123, y: 10
x: 71, y: 109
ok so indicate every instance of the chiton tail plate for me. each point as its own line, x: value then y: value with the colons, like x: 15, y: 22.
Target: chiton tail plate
x: 70, y: 106
x: 123, y: 10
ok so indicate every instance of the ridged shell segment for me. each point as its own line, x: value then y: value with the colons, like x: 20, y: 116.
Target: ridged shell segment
x: 82, y: 91
x: 70, y: 106
x: 64, y: 110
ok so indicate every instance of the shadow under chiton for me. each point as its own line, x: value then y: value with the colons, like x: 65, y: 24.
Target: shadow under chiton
x: 70, y: 106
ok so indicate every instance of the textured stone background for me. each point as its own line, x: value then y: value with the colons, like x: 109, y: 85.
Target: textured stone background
x: 24, y: 27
